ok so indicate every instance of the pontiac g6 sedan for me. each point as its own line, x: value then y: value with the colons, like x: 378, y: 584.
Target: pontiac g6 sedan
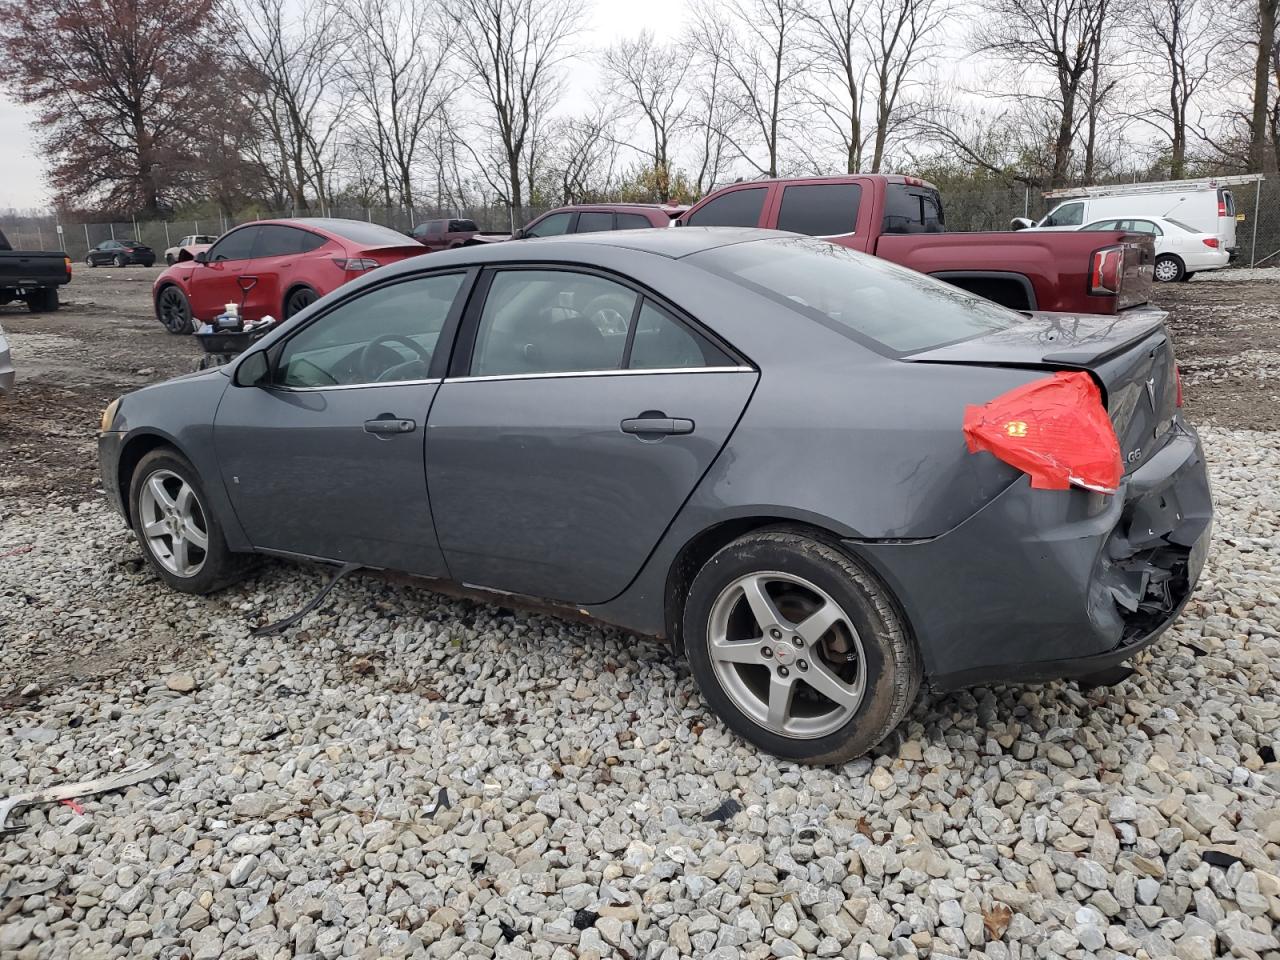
x: 824, y: 478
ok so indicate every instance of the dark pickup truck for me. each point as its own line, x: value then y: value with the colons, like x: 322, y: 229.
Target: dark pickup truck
x: 448, y: 234
x: 32, y: 276
x: 901, y: 219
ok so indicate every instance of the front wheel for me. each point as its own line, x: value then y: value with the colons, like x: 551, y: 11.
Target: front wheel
x: 1169, y: 268
x: 180, y: 537
x: 119, y: 261
x: 90, y: 262
x: 168, y: 258
x: 173, y: 309
x: 798, y: 648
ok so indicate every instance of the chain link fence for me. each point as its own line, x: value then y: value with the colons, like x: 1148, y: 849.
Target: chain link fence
x: 77, y: 239
x: 968, y: 208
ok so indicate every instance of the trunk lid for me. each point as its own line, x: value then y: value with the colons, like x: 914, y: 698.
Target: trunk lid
x: 1130, y: 356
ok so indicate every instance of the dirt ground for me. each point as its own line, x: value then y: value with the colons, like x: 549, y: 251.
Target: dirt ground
x: 106, y: 341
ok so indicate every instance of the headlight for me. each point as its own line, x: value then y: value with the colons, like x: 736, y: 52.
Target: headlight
x: 109, y: 414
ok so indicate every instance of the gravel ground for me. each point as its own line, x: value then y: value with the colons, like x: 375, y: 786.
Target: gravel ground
x: 408, y: 774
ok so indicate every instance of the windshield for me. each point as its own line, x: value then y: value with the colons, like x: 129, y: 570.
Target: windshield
x: 890, y: 308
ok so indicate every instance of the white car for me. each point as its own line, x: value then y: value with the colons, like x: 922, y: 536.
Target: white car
x: 188, y: 247
x: 1181, y: 250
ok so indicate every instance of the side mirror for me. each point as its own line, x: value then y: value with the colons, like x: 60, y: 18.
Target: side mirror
x: 202, y: 256
x: 253, y: 371
x: 519, y: 234
x: 1020, y: 223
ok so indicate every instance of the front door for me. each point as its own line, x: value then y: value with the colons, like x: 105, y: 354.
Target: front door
x: 582, y: 416
x: 327, y: 460
x: 215, y: 283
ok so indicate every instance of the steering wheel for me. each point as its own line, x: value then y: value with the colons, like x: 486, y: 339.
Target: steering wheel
x: 610, y: 312
x: 367, y: 354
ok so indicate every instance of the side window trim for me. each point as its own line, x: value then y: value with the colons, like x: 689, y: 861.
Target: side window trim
x: 459, y: 363
x: 439, y: 359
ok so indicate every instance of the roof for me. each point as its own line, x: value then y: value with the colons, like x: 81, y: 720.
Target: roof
x: 673, y: 242
x: 1158, y: 186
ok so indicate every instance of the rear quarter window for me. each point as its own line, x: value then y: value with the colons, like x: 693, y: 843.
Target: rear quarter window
x: 888, y: 308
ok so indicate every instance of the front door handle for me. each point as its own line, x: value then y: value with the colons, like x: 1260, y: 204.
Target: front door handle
x: 657, y: 426
x: 387, y: 425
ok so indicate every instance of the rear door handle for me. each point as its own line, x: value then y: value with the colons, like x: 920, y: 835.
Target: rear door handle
x: 664, y: 426
x: 384, y: 426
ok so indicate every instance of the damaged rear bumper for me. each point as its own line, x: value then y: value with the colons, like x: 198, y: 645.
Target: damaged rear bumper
x: 1041, y: 585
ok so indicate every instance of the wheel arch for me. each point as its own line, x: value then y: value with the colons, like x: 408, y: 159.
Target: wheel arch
x: 131, y: 454
x: 701, y: 547
x: 290, y: 291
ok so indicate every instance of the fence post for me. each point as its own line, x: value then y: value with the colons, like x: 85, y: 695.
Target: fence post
x: 40, y: 236
x: 135, y: 228
x: 197, y: 223
x: 112, y: 228
x: 1257, y: 196
x: 1026, y: 202
x: 87, y: 244
x: 167, y: 241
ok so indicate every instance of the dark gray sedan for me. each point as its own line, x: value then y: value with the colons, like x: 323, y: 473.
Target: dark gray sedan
x: 824, y: 478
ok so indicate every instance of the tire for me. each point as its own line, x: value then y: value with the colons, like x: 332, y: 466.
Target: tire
x: 1168, y: 269
x: 207, y: 568
x: 90, y: 262
x: 1188, y: 275
x: 878, y: 679
x: 119, y: 261
x: 168, y: 258
x: 298, y: 300
x: 173, y: 310
x: 44, y: 300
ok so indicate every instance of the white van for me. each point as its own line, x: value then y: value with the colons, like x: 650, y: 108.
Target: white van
x: 1207, y: 205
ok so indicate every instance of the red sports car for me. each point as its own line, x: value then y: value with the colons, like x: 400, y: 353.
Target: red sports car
x: 274, y: 268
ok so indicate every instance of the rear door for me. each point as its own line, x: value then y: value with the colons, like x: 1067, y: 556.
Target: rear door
x: 1226, y: 219
x: 578, y: 417
x: 277, y: 249
x: 839, y: 211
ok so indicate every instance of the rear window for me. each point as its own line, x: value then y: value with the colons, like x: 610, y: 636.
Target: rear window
x: 370, y: 234
x: 889, y: 308
x: 1181, y: 225
x: 911, y: 209
x: 1228, y: 202
x: 820, y: 209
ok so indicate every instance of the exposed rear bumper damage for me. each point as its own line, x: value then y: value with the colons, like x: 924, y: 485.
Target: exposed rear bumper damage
x: 1043, y: 584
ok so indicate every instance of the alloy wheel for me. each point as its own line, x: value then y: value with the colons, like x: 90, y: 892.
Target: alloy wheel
x: 299, y: 300
x: 787, y: 654
x: 173, y: 310
x: 173, y: 522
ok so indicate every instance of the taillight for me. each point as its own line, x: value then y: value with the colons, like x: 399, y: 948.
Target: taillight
x: 1106, y: 272
x: 66, y: 263
x: 356, y: 263
x: 1222, y: 206
x: 1055, y: 430
x: 1211, y: 242
x: 1177, y: 382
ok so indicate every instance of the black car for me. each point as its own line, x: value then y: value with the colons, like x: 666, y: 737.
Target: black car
x: 121, y: 253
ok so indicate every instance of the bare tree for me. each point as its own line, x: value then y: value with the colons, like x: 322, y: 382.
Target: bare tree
x: 396, y: 66
x: 649, y: 78
x: 1262, y: 157
x: 835, y: 38
x: 1176, y: 35
x: 300, y: 66
x: 514, y: 48
x: 898, y: 35
x: 713, y: 116
x: 763, y: 62
x: 1053, y: 38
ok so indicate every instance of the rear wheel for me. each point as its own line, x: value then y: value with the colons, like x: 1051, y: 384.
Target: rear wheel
x: 798, y: 648
x: 299, y: 300
x: 44, y: 300
x: 168, y: 258
x: 1169, y: 268
x: 181, y: 538
x: 173, y: 309
x: 1188, y: 275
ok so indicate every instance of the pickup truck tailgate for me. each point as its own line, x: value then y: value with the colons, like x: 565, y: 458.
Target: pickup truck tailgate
x: 23, y: 268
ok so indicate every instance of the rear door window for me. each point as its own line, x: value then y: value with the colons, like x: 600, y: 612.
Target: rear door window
x: 820, y: 209
x: 737, y: 208
x: 593, y: 222
x: 1146, y: 226
x: 910, y: 208
x: 279, y: 241
x: 1103, y: 225
x: 550, y: 226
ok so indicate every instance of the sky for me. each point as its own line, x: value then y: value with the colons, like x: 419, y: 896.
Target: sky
x: 22, y: 182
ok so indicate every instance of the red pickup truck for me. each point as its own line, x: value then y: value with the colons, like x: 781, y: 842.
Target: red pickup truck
x: 901, y: 219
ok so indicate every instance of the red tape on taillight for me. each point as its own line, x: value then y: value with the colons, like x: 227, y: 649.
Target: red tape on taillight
x: 1177, y: 380
x: 1106, y: 271
x: 1055, y: 430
